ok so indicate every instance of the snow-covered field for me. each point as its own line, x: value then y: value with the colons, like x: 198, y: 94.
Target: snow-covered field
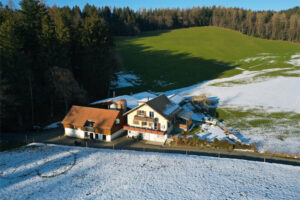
x: 276, y: 94
x: 61, y: 172
x: 269, y: 105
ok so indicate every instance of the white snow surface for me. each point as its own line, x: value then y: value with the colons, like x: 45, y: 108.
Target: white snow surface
x: 263, y: 57
x: 295, y: 60
x: 211, y: 132
x: 277, y: 94
x: 61, y: 172
x: 53, y: 125
x: 125, y: 80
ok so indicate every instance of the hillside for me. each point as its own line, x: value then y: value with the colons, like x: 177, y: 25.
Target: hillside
x: 255, y: 80
x: 178, y: 58
x: 62, y: 172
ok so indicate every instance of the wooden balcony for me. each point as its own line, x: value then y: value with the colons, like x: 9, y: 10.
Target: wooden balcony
x: 144, y: 130
x: 146, y: 119
x: 183, y: 126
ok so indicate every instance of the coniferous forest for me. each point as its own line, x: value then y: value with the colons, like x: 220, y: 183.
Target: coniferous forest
x: 52, y: 57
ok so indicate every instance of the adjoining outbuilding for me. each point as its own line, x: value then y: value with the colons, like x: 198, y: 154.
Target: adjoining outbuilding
x: 184, y: 120
x: 94, y: 123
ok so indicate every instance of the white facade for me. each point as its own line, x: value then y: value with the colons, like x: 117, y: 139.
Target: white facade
x: 162, y: 121
x: 116, y: 134
x: 148, y: 136
x: 161, y: 124
x: 74, y: 133
x: 82, y: 134
x: 77, y: 133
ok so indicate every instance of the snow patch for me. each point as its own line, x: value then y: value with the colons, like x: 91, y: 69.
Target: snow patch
x: 125, y: 80
x: 251, y: 59
x: 162, y: 83
x: 53, y: 125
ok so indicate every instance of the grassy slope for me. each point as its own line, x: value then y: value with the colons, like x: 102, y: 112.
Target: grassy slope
x: 187, y: 56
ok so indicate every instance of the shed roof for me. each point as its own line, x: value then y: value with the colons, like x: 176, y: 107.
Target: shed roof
x: 184, y: 114
x: 103, y: 118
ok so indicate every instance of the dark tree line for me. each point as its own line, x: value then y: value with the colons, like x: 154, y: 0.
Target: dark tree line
x: 284, y: 25
x: 51, y: 58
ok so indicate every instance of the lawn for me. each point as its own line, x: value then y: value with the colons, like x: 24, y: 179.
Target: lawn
x: 178, y: 58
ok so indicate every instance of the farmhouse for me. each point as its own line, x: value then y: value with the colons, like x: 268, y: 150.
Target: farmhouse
x: 153, y: 119
x: 95, y: 123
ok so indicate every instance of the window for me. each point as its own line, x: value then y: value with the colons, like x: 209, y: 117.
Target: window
x: 74, y: 127
x: 144, y: 123
x: 151, y: 114
x: 141, y: 112
x: 96, y: 136
x: 86, y: 134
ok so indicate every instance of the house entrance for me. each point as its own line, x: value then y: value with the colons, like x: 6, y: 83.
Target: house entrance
x: 155, y: 125
x: 104, y: 137
x: 91, y: 136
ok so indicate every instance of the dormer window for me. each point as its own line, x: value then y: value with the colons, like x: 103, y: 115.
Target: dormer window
x: 117, y: 121
x: 89, y: 123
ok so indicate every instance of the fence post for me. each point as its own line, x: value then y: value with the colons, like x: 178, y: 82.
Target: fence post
x: 86, y: 144
x: 26, y: 139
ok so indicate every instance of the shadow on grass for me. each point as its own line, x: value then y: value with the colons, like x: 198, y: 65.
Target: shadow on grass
x: 162, y: 70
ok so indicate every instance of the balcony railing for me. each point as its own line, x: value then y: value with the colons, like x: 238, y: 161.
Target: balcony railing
x: 146, y: 119
x: 144, y: 130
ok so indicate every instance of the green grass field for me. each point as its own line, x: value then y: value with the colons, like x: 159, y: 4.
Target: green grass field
x: 178, y: 58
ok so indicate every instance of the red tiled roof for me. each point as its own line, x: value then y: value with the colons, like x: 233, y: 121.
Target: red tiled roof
x: 103, y: 118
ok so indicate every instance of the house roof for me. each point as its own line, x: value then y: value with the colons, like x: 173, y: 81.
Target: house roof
x: 162, y: 105
x: 184, y: 114
x: 176, y: 98
x: 103, y: 118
